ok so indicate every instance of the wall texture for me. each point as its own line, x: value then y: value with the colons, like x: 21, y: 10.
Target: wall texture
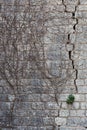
x: 41, y: 105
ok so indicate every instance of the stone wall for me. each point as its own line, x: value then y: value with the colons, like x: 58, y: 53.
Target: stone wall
x: 42, y: 105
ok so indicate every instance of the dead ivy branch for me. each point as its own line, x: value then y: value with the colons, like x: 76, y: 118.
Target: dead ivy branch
x: 22, y: 50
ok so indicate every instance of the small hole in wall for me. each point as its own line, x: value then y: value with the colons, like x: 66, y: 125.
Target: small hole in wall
x: 73, y: 15
x: 69, y: 54
x: 68, y: 39
x: 68, y: 36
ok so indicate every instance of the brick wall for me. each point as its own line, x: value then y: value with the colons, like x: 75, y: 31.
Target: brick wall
x: 38, y: 102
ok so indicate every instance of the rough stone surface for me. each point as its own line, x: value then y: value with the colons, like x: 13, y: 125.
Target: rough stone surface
x: 41, y: 104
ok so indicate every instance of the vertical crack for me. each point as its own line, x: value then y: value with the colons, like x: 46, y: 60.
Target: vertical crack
x: 70, y: 53
x: 74, y: 27
x: 74, y: 17
x: 76, y: 71
x: 68, y: 42
x: 73, y: 65
x: 76, y: 79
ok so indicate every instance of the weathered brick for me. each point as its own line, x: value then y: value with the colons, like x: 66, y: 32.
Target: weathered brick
x: 52, y: 105
x: 48, y: 120
x: 38, y: 105
x: 83, y: 2
x: 77, y: 121
x: 74, y: 2
x: 77, y: 113
x: 70, y: 8
x: 60, y: 121
x: 79, y: 97
x: 82, y: 8
x: 64, y: 113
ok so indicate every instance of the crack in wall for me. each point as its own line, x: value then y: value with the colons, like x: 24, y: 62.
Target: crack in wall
x: 73, y: 15
x: 74, y: 28
x: 70, y: 52
x: 72, y: 61
x: 68, y: 42
x: 73, y: 65
x: 76, y: 71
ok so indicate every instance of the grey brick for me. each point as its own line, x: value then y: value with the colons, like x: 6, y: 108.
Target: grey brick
x: 39, y: 105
